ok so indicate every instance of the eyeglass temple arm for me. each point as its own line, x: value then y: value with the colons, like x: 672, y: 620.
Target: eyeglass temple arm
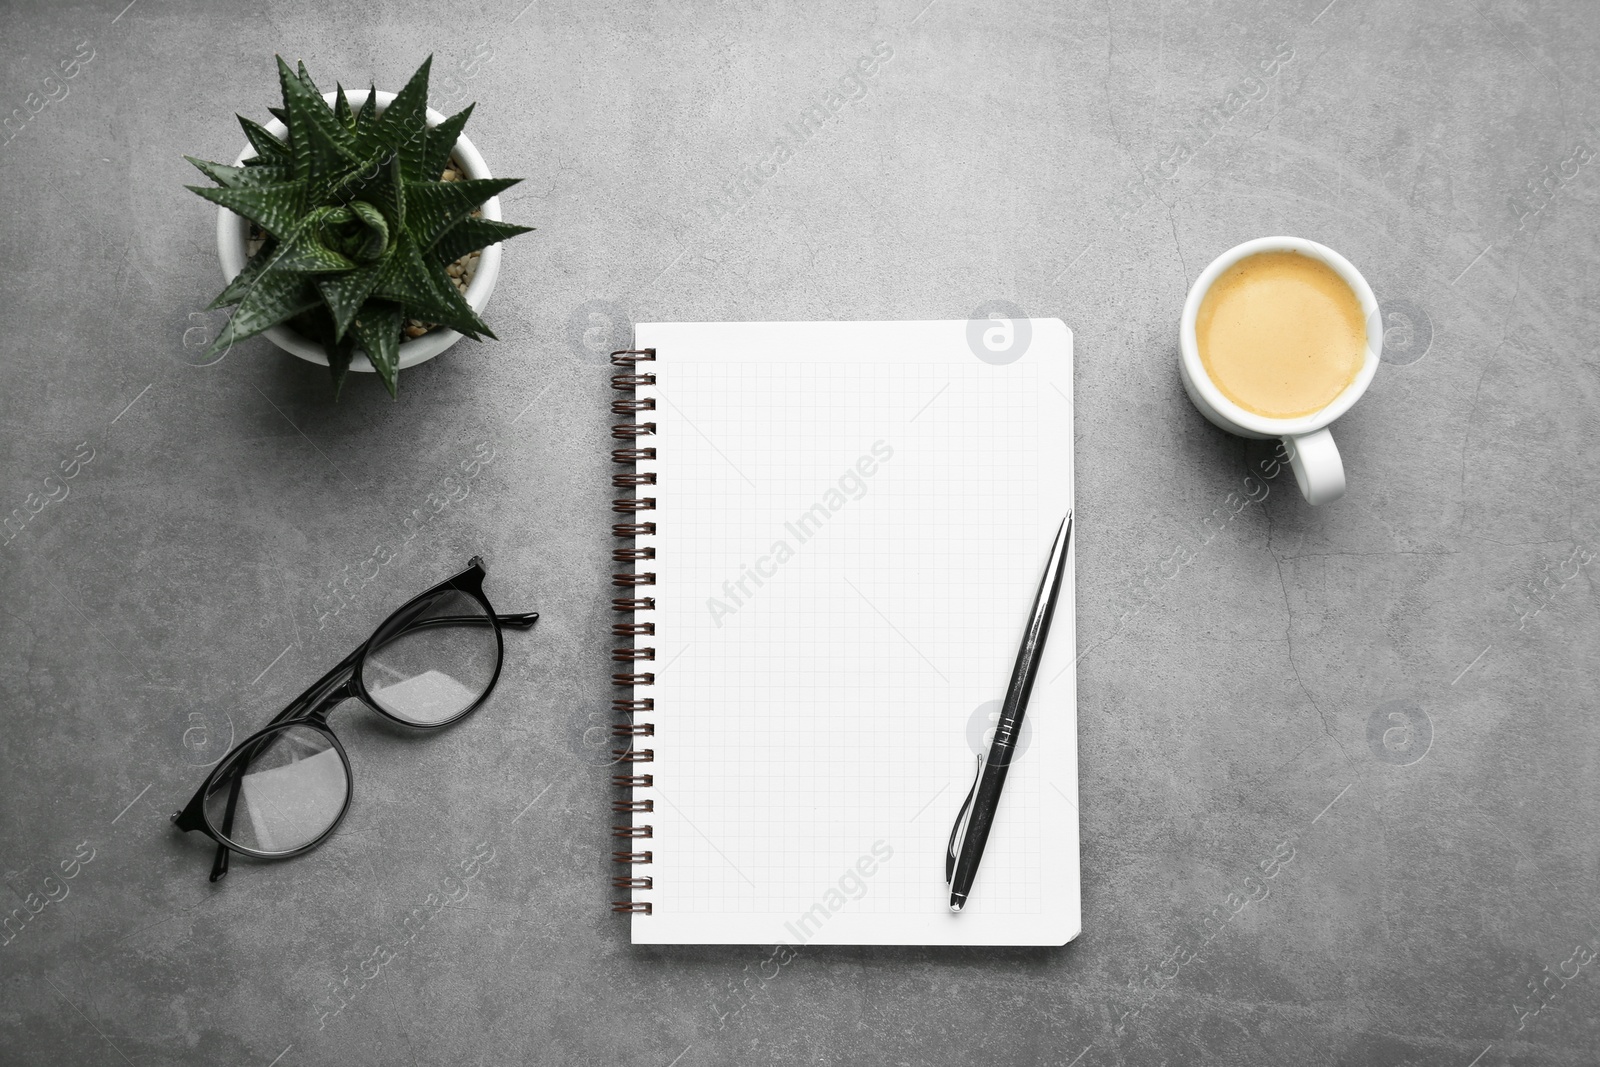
x: 516, y: 620
x: 219, y: 862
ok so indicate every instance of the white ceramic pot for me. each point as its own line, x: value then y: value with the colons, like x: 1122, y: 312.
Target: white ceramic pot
x: 233, y: 232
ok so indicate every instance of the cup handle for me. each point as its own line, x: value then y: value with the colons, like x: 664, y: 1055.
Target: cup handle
x: 1318, y: 470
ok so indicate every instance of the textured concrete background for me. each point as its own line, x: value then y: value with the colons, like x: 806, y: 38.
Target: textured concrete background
x: 1389, y: 702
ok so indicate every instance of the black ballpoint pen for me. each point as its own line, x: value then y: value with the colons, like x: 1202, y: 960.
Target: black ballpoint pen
x: 983, y: 799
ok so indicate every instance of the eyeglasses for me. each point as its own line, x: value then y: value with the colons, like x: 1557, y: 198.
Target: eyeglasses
x: 284, y: 789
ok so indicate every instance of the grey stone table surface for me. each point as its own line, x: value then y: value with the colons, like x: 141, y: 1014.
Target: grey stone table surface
x: 1389, y: 701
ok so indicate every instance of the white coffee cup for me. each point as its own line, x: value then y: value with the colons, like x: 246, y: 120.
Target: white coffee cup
x: 1312, y: 453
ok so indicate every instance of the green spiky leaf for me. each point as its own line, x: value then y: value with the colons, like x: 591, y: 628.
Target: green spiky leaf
x: 306, y: 254
x: 264, y: 263
x: 341, y: 109
x: 382, y: 188
x: 274, y: 298
x: 364, y: 131
x: 369, y: 109
x: 333, y: 167
x: 344, y: 294
x: 340, y: 351
x: 429, y: 294
x: 377, y: 331
x: 278, y: 209
x: 469, y: 235
x: 320, y: 147
x: 354, y: 182
x: 305, y: 79
x: 403, y: 126
x: 241, y: 177
x: 459, y: 316
x: 433, y: 207
x: 426, y: 291
x: 375, y: 241
x: 442, y: 141
x: 269, y: 148
x: 241, y: 283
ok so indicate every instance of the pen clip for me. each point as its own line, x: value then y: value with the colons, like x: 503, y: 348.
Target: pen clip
x: 962, y: 818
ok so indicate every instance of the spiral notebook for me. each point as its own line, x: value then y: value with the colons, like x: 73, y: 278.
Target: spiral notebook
x: 829, y: 538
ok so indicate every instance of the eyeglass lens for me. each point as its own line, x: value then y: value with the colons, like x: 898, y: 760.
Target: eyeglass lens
x: 434, y: 660
x: 279, y: 793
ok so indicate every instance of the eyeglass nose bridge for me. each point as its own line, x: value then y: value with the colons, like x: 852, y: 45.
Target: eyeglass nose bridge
x: 345, y: 690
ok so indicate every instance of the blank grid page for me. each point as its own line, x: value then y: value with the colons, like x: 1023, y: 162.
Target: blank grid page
x: 852, y: 520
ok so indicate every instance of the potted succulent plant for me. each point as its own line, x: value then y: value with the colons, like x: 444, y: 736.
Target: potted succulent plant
x: 360, y: 233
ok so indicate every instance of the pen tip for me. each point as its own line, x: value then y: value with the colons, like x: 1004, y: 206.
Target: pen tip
x: 955, y: 905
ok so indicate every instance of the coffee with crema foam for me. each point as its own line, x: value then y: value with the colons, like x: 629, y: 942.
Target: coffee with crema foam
x: 1281, y: 334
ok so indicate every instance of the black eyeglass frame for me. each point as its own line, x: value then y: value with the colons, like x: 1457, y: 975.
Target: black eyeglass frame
x: 310, y: 710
